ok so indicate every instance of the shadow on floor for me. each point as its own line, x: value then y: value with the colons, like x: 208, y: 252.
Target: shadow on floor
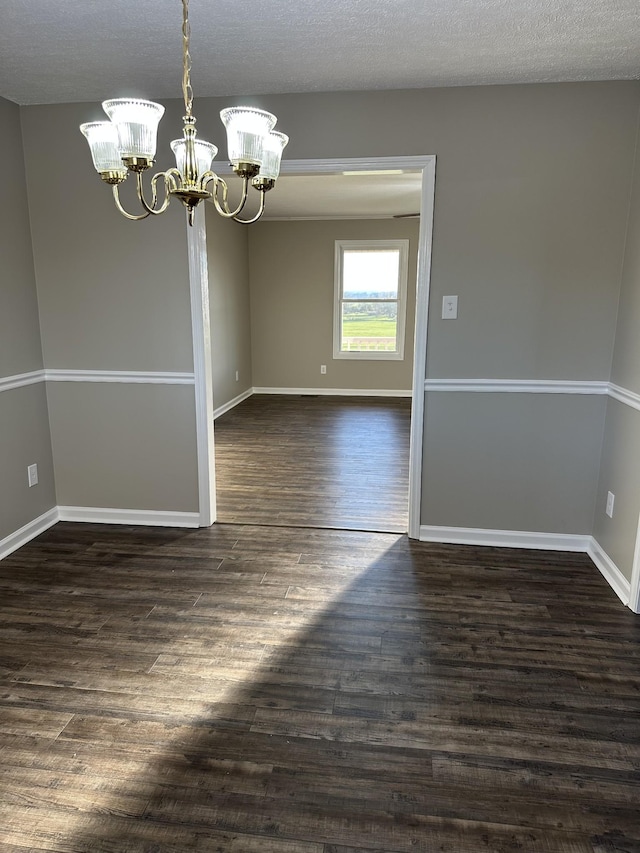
x: 242, y: 689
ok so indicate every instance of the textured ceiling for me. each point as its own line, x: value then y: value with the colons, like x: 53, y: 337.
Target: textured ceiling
x: 55, y: 51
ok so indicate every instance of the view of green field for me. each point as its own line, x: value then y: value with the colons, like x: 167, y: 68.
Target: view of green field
x: 367, y: 326
x: 365, y: 332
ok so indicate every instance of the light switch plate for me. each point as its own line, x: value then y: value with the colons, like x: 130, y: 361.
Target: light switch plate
x: 449, y: 307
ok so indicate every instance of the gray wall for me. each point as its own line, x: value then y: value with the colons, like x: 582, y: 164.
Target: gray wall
x: 526, y: 462
x: 292, y: 285
x: 529, y: 231
x: 24, y: 429
x: 122, y: 446
x: 530, y: 212
x: 620, y: 470
x: 228, y: 262
x: 532, y: 187
x: 114, y: 296
x: 620, y: 474
x: 20, y: 349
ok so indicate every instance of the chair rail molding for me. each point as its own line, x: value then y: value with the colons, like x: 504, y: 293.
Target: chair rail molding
x: 144, y: 377
x: 519, y: 386
x: 20, y: 380
x: 624, y: 395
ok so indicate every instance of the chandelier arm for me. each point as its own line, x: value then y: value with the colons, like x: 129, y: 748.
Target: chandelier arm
x: 206, y: 178
x: 258, y: 214
x: 170, y: 184
x: 116, y: 197
x: 151, y: 208
x: 172, y: 178
x: 223, y: 208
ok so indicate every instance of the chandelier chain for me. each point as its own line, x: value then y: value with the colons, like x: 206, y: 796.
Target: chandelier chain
x: 187, y: 91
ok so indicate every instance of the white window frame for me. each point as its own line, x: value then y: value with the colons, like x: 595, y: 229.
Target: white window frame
x: 402, y: 246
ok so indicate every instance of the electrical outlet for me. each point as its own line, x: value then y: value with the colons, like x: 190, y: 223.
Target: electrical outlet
x: 237, y: 375
x: 323, y: 368
x: 610, y: 499
x: 32, y: 475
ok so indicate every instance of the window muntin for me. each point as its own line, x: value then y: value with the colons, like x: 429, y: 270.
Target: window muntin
x: 370, y: 299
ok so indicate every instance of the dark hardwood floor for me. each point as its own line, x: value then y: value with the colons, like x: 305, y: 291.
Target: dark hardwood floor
x: 287, y: 690
x: 339, y: 462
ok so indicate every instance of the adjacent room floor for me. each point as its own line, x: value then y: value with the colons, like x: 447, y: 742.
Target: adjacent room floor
x: 340, y: 462
x: 246, y: 689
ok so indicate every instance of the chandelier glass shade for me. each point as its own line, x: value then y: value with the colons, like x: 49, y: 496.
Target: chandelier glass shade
x: 127, y: 144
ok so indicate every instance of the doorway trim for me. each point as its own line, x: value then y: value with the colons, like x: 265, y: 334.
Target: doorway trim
x: 202, y: 367
x: 634, y: 592
x: 202, y: 333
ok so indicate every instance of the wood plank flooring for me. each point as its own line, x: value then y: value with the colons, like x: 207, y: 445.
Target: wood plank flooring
x: 287, y: 690
x: 339, y: 462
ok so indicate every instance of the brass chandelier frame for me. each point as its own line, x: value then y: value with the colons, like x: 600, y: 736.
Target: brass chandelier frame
x: 190, y: 187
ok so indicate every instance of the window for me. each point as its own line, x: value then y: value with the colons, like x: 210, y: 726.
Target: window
x: 370, y: 299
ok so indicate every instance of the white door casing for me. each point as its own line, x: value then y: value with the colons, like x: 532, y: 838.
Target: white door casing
x: 199, y: 287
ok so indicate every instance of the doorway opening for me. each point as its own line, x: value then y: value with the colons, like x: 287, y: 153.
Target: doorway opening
x: 392, y: 485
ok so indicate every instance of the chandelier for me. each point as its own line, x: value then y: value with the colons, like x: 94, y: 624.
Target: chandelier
x: 127, y: 143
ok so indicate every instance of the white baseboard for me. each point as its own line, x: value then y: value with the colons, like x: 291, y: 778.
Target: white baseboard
x: 226, y: 407
x: 302, y: 392
x: 504, y: 538
x: 149, y: 517
x: 611, y: 573
x: 97, y: 515
x: 428, y: 533
x: 335, y: 392
x: 25, y: 534
x: 540, y: 541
